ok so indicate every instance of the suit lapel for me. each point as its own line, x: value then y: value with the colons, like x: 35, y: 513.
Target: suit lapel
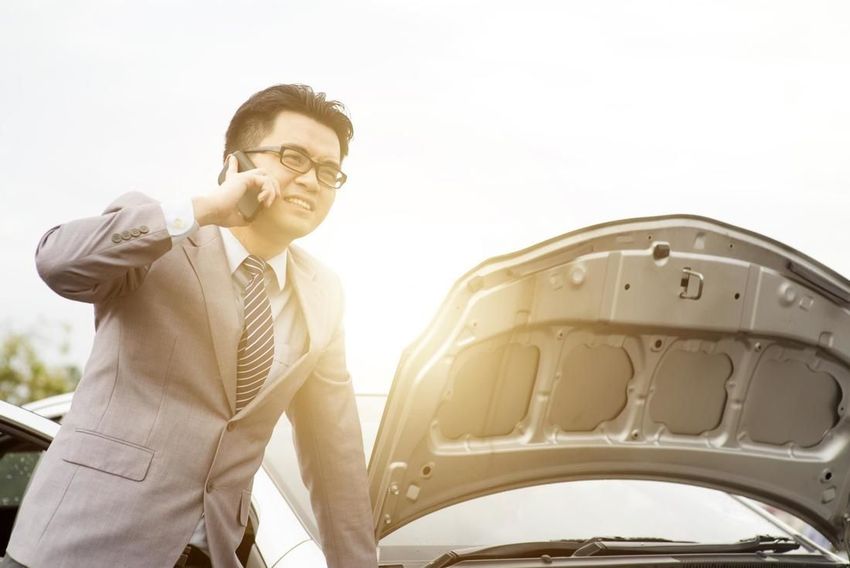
x: 308, y: 294
x: 206, y: 254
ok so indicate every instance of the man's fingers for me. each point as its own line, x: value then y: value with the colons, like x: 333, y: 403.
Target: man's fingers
x: 266, y: 185
x: 271, y: 193
x: 268, y: 192
x: 274, y: 191
x: 257, y: 180
x: 271, y: 190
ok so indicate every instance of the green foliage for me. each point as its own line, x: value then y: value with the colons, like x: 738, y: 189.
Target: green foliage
x: 25, y: 376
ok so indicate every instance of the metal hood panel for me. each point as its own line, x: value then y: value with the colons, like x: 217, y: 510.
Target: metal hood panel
x: 671, y: 348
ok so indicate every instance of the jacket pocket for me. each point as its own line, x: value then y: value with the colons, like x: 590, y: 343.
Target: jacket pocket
x: 105, y: 453
x: 244, y: 507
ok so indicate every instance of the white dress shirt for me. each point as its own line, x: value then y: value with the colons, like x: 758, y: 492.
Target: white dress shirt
x: 290, y: 333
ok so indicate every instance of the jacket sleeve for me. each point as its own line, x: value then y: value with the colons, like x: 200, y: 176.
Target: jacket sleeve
x: 328, y: 439
x: 98, y: 258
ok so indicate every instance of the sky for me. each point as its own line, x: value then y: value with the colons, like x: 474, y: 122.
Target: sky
x: 480, y: 128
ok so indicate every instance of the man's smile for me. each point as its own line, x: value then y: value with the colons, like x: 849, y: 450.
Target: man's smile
x: 299, y: 202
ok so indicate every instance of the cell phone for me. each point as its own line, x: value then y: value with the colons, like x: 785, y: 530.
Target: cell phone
x: 248, y: 204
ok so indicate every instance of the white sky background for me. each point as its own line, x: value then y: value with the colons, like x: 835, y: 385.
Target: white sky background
x: 480, y: 128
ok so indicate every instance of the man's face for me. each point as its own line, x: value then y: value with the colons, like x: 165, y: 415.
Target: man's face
x: 305, y: 202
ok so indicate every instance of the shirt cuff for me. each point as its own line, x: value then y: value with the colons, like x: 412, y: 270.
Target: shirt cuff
x: 179, y: 219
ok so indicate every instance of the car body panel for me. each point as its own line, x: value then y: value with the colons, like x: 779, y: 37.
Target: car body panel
x: 280, y: 530
x: 27, y: 424
x: 673, y: 348
x: 306, y: 554
x: 53, y: 407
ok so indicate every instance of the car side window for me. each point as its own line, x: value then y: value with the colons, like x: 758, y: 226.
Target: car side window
x: 18, y: 460
x: 16, y: 468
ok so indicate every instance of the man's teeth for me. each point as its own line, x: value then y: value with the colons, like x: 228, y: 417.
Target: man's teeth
x: 299, y: 202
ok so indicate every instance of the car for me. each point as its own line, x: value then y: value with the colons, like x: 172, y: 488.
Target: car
x: 282, y: 530
x: 638, y: 392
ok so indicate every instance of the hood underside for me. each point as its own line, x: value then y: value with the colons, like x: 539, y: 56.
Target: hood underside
x: 671, y: 348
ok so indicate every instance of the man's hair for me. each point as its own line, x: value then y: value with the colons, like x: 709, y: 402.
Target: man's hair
x: 255, y: 118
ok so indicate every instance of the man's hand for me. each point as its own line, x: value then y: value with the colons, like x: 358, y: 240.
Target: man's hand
x: 219, y: 207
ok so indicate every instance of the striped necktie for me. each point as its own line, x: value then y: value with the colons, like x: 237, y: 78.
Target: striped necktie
x: 256, y: 348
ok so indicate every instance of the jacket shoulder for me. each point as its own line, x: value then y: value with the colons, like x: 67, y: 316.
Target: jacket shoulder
x: 129, y: 199
x: 322, y: 273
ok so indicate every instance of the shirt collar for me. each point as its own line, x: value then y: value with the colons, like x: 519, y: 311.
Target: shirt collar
x: 236, y: 253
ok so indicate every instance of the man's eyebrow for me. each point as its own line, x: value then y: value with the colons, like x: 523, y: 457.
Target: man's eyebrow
x: 330, y: 161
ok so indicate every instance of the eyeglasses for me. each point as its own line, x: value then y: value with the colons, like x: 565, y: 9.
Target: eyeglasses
x: 299, y: 162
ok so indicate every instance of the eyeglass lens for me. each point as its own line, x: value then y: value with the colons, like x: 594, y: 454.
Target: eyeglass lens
x: 296, y: 160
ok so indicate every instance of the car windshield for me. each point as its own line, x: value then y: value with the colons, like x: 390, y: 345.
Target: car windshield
x: 585, y: 509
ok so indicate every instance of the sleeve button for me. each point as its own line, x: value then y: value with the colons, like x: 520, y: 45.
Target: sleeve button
x: 125, y: 235
x: 144, y: 229
x: 135, y: 232
x: 116, y: 238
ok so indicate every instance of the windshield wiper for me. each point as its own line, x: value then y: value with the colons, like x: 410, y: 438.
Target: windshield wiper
x: 553, y: 548
x: 601, y: 546
x: 612, y: 546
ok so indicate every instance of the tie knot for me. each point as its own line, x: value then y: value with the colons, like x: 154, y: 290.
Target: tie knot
x: 254, y: 265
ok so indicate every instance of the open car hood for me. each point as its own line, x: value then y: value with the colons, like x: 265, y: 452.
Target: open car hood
x: 672, y: 348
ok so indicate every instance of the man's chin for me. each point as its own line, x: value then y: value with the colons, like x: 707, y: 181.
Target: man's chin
x: 288, y: 231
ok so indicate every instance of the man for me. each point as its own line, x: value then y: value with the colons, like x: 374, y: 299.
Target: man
x: 208, y: 327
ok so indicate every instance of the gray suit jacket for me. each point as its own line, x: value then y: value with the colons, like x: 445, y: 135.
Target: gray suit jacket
x: 152, y: 438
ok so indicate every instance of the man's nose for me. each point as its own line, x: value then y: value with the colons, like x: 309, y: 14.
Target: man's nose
x: 309, y: 179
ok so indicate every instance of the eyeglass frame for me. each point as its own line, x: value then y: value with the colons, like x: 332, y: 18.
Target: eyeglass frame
x: 313, y: 163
